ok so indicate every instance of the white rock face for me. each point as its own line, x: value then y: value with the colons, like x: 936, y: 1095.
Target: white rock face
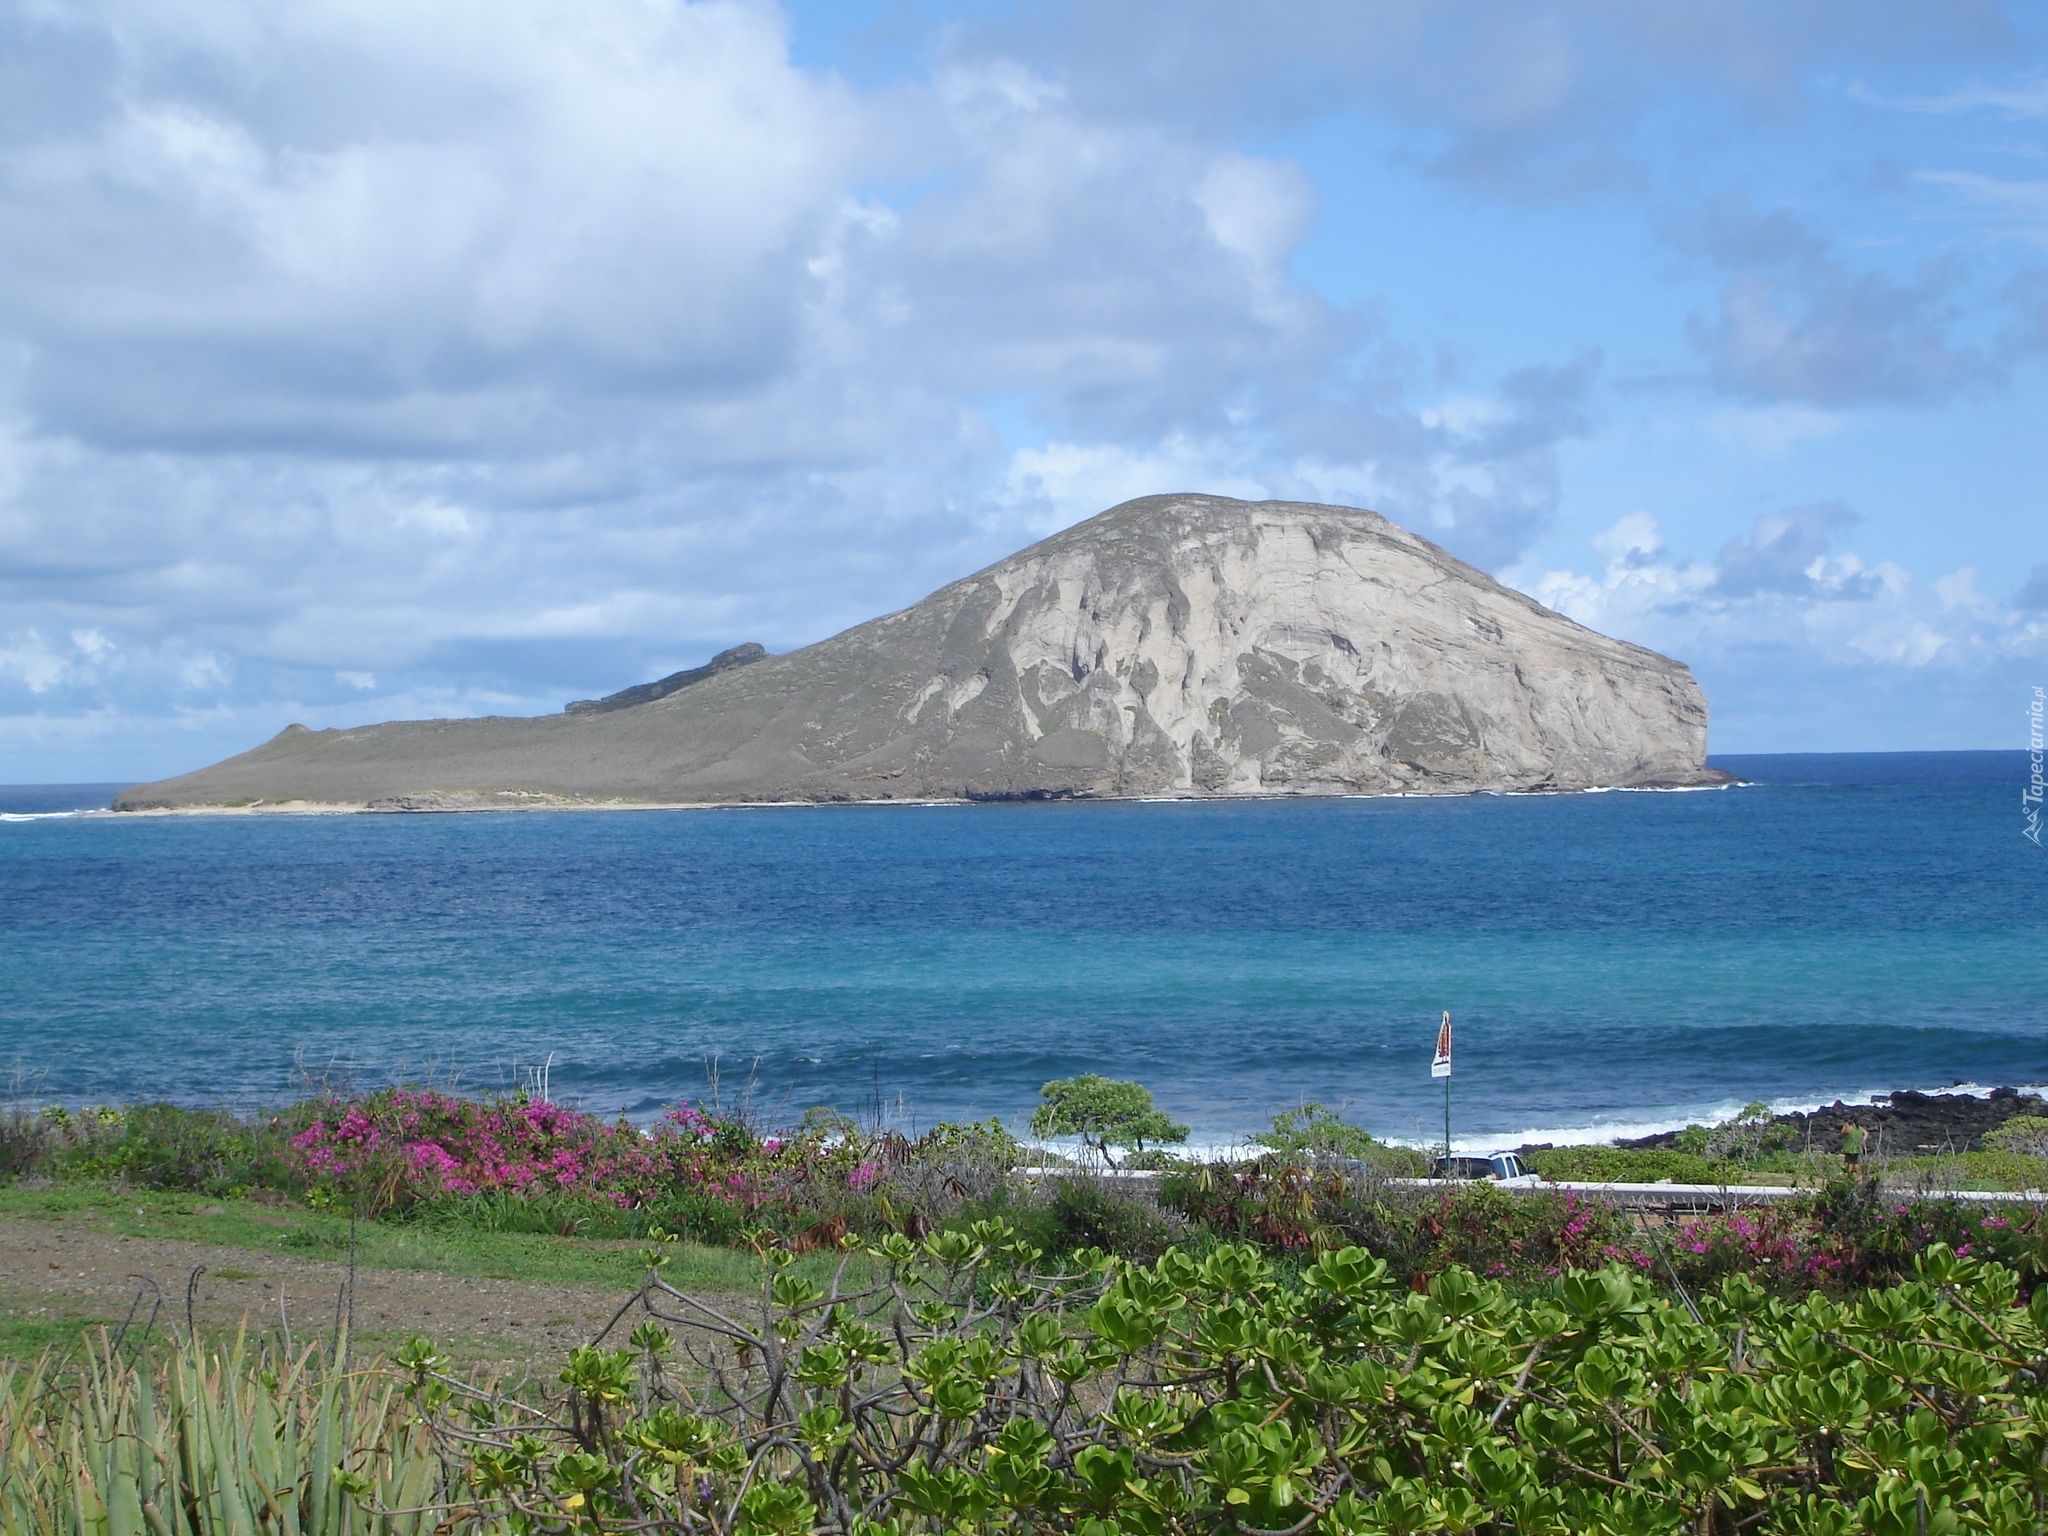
x: 1175, y: 645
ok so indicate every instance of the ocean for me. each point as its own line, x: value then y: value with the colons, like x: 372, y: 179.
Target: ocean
x: 1839, y: 926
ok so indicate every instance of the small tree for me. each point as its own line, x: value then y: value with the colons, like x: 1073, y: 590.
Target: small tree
x: 1104, y: 1113
x: 1314, y: 1130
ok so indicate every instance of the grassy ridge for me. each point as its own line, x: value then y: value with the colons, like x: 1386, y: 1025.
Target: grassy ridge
x: 306, y: 1234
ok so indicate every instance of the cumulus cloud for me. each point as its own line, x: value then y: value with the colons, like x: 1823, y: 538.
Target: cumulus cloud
x: 1788, y: 632
x: 1796, y: 322
x: 375, y: 359
x: 2033, y: 596
x: 1787, y: 552
x: 1527, y: 101
x: 472, y: 357
x: 1476, y: 472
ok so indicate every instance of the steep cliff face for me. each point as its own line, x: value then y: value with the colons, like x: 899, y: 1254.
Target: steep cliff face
x: 1175, y: 645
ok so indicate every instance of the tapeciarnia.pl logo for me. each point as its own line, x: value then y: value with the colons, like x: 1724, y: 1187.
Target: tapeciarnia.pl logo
x: 2030, y: 797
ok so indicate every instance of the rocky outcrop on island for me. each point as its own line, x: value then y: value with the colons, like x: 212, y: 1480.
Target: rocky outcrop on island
x: 1173, y: 646
x: 661, y: 688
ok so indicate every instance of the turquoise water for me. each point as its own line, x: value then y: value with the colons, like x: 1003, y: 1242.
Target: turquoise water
x: 1844, y: 925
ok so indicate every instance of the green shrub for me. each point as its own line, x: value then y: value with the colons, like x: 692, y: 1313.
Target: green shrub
x: 2025, y: 1135
x: 164, y: 1146
x: 977, y: 1388
x: 151, y: 1146
x: 1105, y: 1114
x: 1621, y: 1165
x: 1290, y: 1206
x: 26, y: 1144
x: 1751, y: 1136
x: 1314, y: 1130
x: 1084, y: 1212
x: 1993, y: 1169
x: 1223, y: 1393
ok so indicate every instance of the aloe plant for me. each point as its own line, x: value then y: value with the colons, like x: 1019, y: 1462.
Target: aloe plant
x: 231, y: 1442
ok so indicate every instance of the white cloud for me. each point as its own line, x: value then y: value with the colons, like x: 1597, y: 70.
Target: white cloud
x: 1799, y: 633
x: 362, y: 357
x: 1061, y: 483
x: 35, y: 663
x: 1257, y: 208
x: 500, y: 353
x: 2027, y: 98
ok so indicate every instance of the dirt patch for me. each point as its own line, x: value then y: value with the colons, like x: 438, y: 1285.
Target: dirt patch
x: 53, y: 1272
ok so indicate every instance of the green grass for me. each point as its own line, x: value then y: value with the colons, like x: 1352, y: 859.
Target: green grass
x: 305, y: 1234
x: 1990, y: 1170
x: 25, y: 1337
x: 29, y: 1335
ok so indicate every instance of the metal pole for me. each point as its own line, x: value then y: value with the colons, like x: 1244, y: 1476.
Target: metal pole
x: 1447, y: 1125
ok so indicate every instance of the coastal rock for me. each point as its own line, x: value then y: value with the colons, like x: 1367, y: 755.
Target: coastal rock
x: 1902, y: 1124
x: 1190, y: 646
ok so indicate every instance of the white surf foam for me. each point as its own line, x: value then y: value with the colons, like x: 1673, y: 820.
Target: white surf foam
x: 1599, y: 1132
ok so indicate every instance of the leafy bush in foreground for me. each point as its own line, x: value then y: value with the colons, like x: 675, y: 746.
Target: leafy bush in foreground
x: 980, y: 1390
x: 2024, y: 1135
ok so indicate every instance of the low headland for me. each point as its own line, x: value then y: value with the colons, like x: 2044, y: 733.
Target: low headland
x: 1175, y: 647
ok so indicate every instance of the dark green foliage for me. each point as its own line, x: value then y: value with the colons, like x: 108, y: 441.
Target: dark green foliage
x: 1293, y: 1207
x: 824, y: 1183
x: 2026, y: 1135
x: 154, y: 1146
x: 1754, y: 1134
x: 1879, y: 1235
x: 25, y: 1144
x: 979, y: 1389
x: 1082, y: 1212
x: 161, y: 1146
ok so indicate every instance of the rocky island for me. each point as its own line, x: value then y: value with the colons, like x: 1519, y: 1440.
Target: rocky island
x: 1190, y: 646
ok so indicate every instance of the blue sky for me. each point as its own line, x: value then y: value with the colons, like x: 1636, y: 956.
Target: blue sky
x: 361, y: 361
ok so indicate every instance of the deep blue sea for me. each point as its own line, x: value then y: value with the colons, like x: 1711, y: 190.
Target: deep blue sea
x: 1843, y: 925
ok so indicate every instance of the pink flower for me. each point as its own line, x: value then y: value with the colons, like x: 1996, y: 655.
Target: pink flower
x: 426, y: 1157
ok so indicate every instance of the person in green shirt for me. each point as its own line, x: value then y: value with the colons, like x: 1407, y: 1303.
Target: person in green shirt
x: 1853, y: 1139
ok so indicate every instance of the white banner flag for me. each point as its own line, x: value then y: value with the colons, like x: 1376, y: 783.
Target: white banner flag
x: 1441, y: 1067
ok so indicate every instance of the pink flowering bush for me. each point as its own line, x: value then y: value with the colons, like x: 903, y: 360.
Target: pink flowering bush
x: 1781, y: 1248
x: 403, y: 1148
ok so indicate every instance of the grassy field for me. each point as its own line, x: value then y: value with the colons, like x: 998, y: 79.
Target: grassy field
x: 47, y: 1317
x: 379, y: 1245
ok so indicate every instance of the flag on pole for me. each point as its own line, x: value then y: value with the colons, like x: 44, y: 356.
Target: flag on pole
x: 1441, y: 1067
